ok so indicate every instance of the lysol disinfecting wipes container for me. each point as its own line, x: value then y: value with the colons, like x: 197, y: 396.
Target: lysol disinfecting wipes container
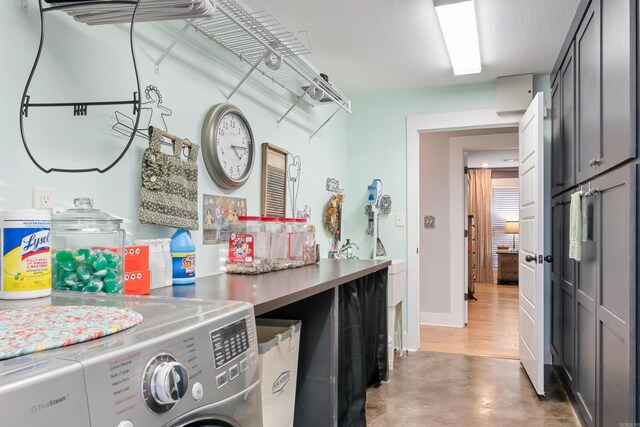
x: 25, y: 253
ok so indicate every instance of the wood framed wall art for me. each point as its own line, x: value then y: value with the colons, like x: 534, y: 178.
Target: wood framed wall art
x: 274, y: 181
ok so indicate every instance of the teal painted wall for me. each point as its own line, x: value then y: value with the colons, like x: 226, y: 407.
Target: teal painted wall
x: 80, y: 62
x: 377, y: 149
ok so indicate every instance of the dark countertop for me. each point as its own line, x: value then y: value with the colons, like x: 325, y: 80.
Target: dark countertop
x: 279, y: 288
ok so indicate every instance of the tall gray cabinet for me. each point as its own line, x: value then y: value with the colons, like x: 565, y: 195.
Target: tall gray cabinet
x: 594, y: 338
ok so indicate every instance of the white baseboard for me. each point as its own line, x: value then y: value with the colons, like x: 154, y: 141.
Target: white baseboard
x: 438, y: 319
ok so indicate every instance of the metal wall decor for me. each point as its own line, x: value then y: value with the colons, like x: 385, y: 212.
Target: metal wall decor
x: 429, y: 222
x: 125, y: 125
x: 333, y: 185
x: 80, y: 108
x: 293, y: 170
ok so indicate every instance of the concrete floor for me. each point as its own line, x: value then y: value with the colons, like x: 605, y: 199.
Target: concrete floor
x: 439, y: 389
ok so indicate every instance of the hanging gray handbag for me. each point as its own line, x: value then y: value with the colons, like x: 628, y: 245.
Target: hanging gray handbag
x: 169, y: 184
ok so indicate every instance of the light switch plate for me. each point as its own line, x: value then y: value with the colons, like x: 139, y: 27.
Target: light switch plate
x: 399, y: 220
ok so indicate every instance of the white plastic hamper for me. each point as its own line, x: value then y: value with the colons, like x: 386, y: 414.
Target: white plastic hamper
x: 278, y: 347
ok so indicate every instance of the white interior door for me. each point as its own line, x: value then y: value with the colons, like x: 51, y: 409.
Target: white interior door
x: 531, y: 270
x: 466, y: 248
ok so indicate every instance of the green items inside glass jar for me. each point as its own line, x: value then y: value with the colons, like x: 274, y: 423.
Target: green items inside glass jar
x: 87, y: 270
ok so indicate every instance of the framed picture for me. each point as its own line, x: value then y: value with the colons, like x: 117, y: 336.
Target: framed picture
x: 274, y: 181
x: 218, y: 213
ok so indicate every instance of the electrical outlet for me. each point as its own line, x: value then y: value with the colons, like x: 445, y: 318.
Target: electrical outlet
x: 44, y: 198
x: 399, y: 220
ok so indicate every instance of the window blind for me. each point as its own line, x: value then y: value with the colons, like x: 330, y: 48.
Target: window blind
x: 505, y: 203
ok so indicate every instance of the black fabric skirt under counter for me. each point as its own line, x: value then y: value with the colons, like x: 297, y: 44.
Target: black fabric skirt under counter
x: 362, y: 354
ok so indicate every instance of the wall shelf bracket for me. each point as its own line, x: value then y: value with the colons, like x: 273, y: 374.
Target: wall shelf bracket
x: 172, y: 45
x: 291, y: 108
x: 241, y: 82
x: 327, y: 121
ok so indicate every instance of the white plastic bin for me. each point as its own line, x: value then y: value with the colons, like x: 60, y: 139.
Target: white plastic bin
x: 278, y: 347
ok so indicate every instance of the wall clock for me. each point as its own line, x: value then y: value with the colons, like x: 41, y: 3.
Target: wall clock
x: 227, y: 146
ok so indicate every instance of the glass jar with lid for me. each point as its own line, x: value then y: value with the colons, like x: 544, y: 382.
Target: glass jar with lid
x: 87, y: 248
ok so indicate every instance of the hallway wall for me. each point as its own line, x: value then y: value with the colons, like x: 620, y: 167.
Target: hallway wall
x: 437, y: 192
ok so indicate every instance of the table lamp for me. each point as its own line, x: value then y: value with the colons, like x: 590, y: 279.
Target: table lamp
x: 512, y: 227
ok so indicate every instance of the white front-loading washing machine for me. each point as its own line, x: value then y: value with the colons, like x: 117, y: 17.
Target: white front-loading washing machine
x: 189, y: 363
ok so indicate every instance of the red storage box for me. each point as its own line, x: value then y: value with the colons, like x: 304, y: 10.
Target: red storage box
x: 136, y: 258
x: 137, y: 282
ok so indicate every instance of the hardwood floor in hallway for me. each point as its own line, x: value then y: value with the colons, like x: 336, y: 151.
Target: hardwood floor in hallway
x: 492, y: 329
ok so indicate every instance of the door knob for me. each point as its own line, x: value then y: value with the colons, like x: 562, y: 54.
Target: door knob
x: 530, y: 258
x: 549, y: 258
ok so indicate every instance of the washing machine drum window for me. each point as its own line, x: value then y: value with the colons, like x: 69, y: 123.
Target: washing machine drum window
x: 209, y: 423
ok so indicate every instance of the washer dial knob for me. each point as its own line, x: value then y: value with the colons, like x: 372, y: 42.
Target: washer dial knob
x: 169, y: 383
x: 165, y: 382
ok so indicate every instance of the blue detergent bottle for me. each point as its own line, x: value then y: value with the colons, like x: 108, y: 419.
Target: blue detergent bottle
x: 183, y: 257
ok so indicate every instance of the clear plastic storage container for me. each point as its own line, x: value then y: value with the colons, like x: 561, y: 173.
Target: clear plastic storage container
x: 87, y: 249
x: 310, y: 251
x: 296, y: 241
x: 279, y: 247
x: 249, y: 247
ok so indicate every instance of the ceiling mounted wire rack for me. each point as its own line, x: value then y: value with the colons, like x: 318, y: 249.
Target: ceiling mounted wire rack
x: 262, y: 42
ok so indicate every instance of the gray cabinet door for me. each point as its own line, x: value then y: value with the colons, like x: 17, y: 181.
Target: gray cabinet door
x: 563, y: 293
x: 568, y: 83
x: 556, y: 290
x: 615, y: 239
x: 588, y: 138
x: 618, y: 83
x: 557, y: 171
x: 585, y: 379
x: 563, y: 126
x: 568, y: 297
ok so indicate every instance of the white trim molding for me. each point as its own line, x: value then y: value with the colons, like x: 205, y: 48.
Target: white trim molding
x: 461, y: 120
x: 438, y: 319
x: 438, y: 122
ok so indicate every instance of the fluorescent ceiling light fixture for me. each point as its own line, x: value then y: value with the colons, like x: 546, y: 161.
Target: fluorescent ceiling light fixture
x: 484, y: 165
x: 458, y: 24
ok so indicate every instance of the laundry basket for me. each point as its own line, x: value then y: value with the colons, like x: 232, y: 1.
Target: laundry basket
x: 278, y: 347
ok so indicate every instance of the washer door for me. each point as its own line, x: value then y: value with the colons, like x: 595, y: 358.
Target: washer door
x: 212, y: 423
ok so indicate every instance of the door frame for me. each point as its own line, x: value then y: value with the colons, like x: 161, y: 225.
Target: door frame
x: 440, y: 122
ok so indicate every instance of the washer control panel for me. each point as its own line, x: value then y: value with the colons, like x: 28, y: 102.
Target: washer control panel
x: 231, y: 341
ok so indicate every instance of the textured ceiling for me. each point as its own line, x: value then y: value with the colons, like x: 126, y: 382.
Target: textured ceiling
x: 384, y: 45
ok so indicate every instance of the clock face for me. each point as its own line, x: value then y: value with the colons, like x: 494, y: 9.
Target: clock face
x: 233, y: 145
x: 228, y: 146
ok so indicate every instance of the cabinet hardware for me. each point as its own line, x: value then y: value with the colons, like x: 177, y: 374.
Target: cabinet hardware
x: 594, y: 162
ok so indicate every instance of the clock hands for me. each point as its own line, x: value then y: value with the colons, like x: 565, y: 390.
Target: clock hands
x: 235, y: 149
